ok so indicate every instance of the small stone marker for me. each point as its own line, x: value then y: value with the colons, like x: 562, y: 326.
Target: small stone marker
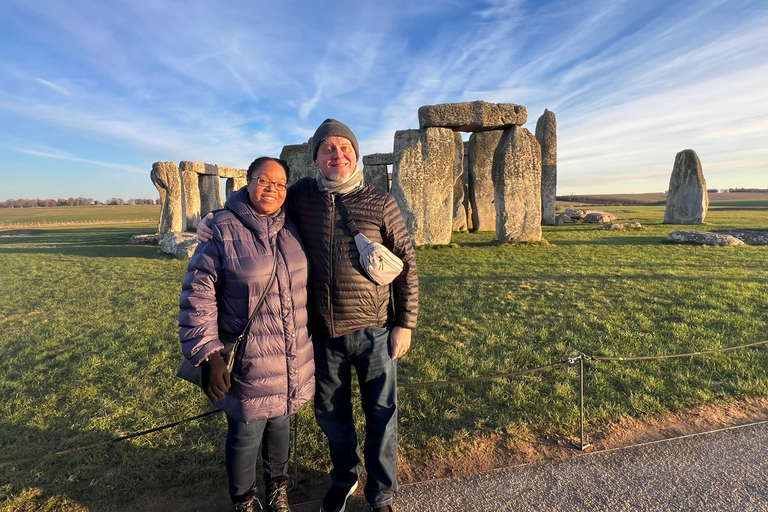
x: 517, y: 185
x: 166, y: 176
x: 472, y: 116
x: 482, y: 147
x: 422, y: 183
x: 687, y: 198
x: 546, y: 134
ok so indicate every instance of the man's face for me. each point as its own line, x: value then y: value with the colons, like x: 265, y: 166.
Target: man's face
x: 336, y: 158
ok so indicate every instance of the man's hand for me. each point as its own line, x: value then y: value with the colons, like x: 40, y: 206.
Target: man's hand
x: 204, y: 232
x: 216, y: 381
x: 399, y: 341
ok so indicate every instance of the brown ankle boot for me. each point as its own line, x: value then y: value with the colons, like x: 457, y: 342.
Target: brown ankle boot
x: 246, y: 503
x: 277, y: 495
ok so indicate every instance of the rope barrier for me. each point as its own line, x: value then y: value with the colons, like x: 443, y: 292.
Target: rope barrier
x: 580, y: 357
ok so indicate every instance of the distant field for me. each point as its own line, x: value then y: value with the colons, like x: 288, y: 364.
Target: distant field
x: 736, y: 198
x: 79, y: 214
x: 89, y: 337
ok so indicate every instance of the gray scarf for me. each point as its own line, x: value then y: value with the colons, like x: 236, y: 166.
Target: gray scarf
x: 354, y: 181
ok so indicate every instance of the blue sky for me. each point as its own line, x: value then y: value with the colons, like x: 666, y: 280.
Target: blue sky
x: 93, y: 91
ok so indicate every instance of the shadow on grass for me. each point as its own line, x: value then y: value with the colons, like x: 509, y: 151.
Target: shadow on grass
x: 100, y: 242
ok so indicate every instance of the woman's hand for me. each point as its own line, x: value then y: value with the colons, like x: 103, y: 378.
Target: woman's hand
x: 216, y: 380
x: 204, y: 231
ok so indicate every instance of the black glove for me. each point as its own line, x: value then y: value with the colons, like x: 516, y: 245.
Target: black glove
x: 216, y: 381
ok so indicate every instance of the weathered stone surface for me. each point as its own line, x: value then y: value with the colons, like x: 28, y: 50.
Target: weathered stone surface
x: 422, y: 183
x: 299, y: 159
x: 379, y: 159
x: 459, y: 210
x: 472, y: 116
x: 481, y: 194
x: 377, y: 175
x: 563, y: 219
x: 210, y: 193
x: 748, y: 236
x: 190, y: 193
x: 624, y: 225
x: 599, y: 217
x: 465, y: 182
x: 166, y: 176
x: 144, y: 239
x: 199, y: 167
x: 181, y: 245
x: 234, y: 184
x: 687, y: 198
x: 546, y: 134
x: 517, y: 186
x: 231, y: 172
x: 691, y: 236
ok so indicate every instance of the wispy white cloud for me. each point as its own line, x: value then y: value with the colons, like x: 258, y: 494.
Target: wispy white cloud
x: 72, y: 158
x: 53, y: 86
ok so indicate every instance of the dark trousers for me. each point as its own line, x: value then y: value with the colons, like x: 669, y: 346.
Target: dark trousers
x: 242, y: 450
x: 367, y: 350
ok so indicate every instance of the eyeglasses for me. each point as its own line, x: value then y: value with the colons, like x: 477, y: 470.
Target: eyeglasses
x: 264, y: 182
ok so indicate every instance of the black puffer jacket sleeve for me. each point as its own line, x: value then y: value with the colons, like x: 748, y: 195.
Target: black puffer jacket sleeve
x: 405, y: 287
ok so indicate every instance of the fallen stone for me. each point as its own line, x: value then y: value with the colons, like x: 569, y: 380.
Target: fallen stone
x: 546, y: 134
x: 166, y: 176
x: 377, y: 175
x: 379, y: 159
x: 577, y: 214
x: 599, y: 218
x: 687, y: 198
x: 482, y: 147
x: 563, y: 219
x: 472, y: 116
x: 691, y: 236
x: 517, y: 186
x: 746, y: 235
x: 181, y: 245
x: 459, y: 210
x: 144, y: 239
x: 624, y: 225
x: 422, y: 183
x: 299, y: 160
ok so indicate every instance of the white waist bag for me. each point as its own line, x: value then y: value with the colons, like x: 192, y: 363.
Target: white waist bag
x: 379, y: 263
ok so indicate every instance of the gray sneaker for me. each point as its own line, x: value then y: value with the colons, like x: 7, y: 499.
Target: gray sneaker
x: 336, y: 498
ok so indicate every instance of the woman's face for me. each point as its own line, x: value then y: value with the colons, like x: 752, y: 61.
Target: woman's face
x: 267, y: 188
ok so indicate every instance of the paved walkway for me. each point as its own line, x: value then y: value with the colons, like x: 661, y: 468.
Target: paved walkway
x: 722, y: 471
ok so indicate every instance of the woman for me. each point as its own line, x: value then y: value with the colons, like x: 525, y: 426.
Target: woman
x: 273, y: 374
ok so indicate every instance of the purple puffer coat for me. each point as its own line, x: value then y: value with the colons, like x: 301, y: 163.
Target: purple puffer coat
x: 274, y: 369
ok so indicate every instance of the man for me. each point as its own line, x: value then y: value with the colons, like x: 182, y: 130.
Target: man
x: 355, y: 322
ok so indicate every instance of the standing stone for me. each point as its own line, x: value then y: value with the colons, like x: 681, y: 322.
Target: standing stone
x: 687, y: 198
x: 546, y: 134
x: 190, y: 192
x: 210, y: 190
x: 517, y: 180
x: 299, y: 159
x: 465, y: 183
x: 481, y: 195
x: 166, y: 176
x: 422, y: 183
x: 472, y: 116
x: 459, y: 211
x: 234, y: 184
x: 377, y: 175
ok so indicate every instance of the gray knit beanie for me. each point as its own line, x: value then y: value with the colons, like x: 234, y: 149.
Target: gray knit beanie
x: 333, y: 128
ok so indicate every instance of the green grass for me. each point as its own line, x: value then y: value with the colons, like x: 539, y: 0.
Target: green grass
x: 79, y: 214
x: 89, y: 341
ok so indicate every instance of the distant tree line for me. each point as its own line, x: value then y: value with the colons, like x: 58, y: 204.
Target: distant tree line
x: 72, y: 201
x: 758, y: 190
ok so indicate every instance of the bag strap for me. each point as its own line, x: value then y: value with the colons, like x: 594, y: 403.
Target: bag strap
x: 263, y: 297
x: 345, y: 216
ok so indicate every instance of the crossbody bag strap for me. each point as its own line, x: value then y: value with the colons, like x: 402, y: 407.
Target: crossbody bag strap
x: 345, y: 216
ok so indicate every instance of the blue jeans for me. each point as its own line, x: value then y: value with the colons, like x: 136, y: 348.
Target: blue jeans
x: 367, y: 350
x: 242, y: 450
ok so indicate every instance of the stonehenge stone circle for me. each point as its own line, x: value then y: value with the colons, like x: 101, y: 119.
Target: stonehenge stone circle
x: 482, y: 147
x: 459, y: 210
x: 472, y: 116
x: 546, y: 134
x: 422, y: 183
x: 517, y: 186
x: 166, y: 176
x: 687, y: 198
x: 299, y: 159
